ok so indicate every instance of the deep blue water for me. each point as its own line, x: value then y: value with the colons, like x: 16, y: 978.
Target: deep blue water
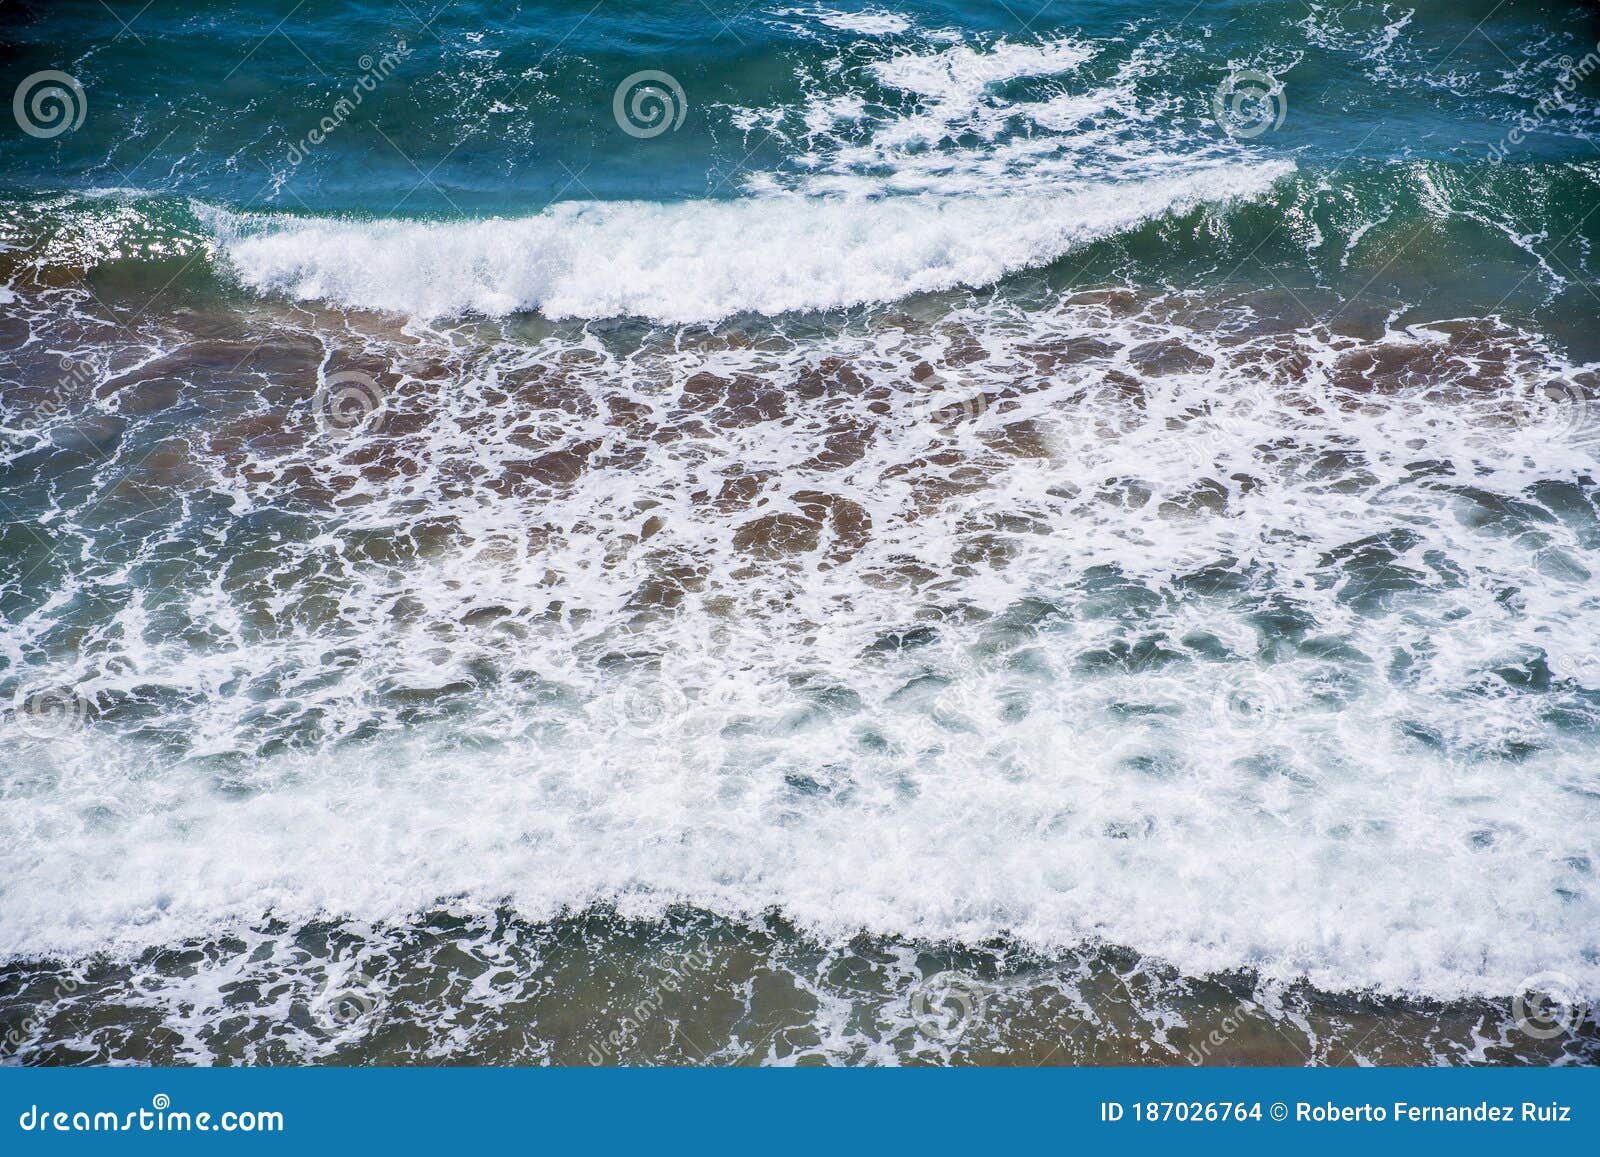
x: 1394, y: 121
x: 508, y: 107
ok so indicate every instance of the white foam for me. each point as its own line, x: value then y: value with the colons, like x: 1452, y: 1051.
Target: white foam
x: 955, y: 180
x: 954, y: 123
x: 866, y: 22
x: 960, y: 74
x: 1341, y: 800
x: 703, y: 260
x: 368, y: 715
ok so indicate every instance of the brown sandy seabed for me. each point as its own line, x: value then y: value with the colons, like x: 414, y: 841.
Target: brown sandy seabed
x: 696, y: 988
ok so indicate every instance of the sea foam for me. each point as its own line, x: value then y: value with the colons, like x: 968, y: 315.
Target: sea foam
x: 1242, y: 649
x: 703, y: 260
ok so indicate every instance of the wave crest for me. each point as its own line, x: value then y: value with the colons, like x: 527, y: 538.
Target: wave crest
x: 699, y: 261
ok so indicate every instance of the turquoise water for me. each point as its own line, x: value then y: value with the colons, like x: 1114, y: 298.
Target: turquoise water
x: 800, y: 533
x: 1394, y: 134
x: 501, y: 104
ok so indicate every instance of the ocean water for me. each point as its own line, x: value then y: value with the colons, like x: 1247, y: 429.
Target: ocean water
x: 800, y: 533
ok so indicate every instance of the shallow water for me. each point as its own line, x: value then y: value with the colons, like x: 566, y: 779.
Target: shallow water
x: 948, y: 556
x: 694, y: 989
